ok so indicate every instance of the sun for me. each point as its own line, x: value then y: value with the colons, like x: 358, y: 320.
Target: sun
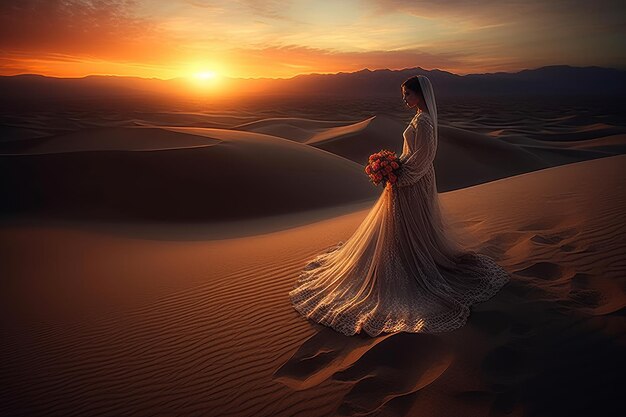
x: 205, y: 82
x: 205, y: 75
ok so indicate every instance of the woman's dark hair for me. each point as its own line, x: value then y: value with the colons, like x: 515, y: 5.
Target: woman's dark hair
x: 413, y: 84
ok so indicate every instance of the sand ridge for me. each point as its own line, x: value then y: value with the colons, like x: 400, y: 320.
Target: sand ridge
x: 220, y: 174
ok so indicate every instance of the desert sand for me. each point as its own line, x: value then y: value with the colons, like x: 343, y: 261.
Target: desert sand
x: 113, y: 305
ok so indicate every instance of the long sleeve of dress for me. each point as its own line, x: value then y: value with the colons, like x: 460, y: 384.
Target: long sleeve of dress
x: 424, y: 148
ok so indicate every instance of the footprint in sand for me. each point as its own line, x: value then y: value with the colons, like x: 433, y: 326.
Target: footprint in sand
x: 581, y: 292
x: 546, y: 223
x: 586, y: 297
x: 546, y: 239
x: 544, y: 270
x: 553, y: 238
x: 567, y: 248
x: 382, y: 371
x: 322, y: 355
x: 580, y: 280
x: 401, y: 365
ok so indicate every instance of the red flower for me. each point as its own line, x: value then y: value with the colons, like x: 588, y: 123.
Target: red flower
x: 381, y: 165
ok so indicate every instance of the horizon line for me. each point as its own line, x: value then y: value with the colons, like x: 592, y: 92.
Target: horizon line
x: 311, y: 73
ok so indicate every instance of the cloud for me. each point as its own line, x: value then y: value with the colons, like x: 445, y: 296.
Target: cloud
x: 102, y: 28
x: 283, y: 61
x: 274, y: 9
x: 485, y: 13
x: 270, y: 38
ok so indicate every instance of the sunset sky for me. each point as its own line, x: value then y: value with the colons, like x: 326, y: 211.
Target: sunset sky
x: 284, y: 38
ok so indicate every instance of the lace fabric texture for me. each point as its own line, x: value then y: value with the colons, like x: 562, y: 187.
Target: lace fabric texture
x: 400, y: 270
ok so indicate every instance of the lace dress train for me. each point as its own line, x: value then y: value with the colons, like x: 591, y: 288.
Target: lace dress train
x: 400, y: 270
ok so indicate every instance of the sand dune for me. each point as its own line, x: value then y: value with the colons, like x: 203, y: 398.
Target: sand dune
x: 359, y: 140
x: 176, y: 174
x: 99, y: 324
x: 613, y: 144
x: 584, y: 132
x: 294, y: 128
x: 108, y: 139
x: 352, y: 140
x: 192, y: 173
x: 464, y: 158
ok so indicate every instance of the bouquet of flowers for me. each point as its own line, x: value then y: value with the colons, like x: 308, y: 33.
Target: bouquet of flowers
x: 383, y: 166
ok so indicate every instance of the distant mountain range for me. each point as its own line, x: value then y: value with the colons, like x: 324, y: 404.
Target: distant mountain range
x: 549, y: 81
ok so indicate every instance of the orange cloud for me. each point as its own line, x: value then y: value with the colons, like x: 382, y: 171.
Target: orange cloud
x: 290, y: 60
x: 102, y: 30
x: 271, y: 38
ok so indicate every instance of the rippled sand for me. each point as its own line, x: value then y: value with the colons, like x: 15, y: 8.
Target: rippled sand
x: 147, y: 256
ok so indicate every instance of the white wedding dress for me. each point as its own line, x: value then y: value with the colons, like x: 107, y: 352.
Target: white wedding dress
x: 400, y: 270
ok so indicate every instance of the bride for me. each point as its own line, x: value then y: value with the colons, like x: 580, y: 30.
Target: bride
x: 401, y: 270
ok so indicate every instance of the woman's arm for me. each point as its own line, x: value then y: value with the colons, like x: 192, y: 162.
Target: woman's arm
x: 416, y: 164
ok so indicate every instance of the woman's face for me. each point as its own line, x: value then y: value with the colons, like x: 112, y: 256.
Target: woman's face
x: 410, y: 97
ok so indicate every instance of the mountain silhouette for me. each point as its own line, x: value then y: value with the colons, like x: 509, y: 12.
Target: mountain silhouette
x: 560, y: 80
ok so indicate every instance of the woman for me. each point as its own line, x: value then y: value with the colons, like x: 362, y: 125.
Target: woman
x: 401, y: 270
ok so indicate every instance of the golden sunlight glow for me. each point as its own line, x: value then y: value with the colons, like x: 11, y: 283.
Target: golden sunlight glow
x: 205, y: 75
x: 169, y: 39
x: 204, y: 82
